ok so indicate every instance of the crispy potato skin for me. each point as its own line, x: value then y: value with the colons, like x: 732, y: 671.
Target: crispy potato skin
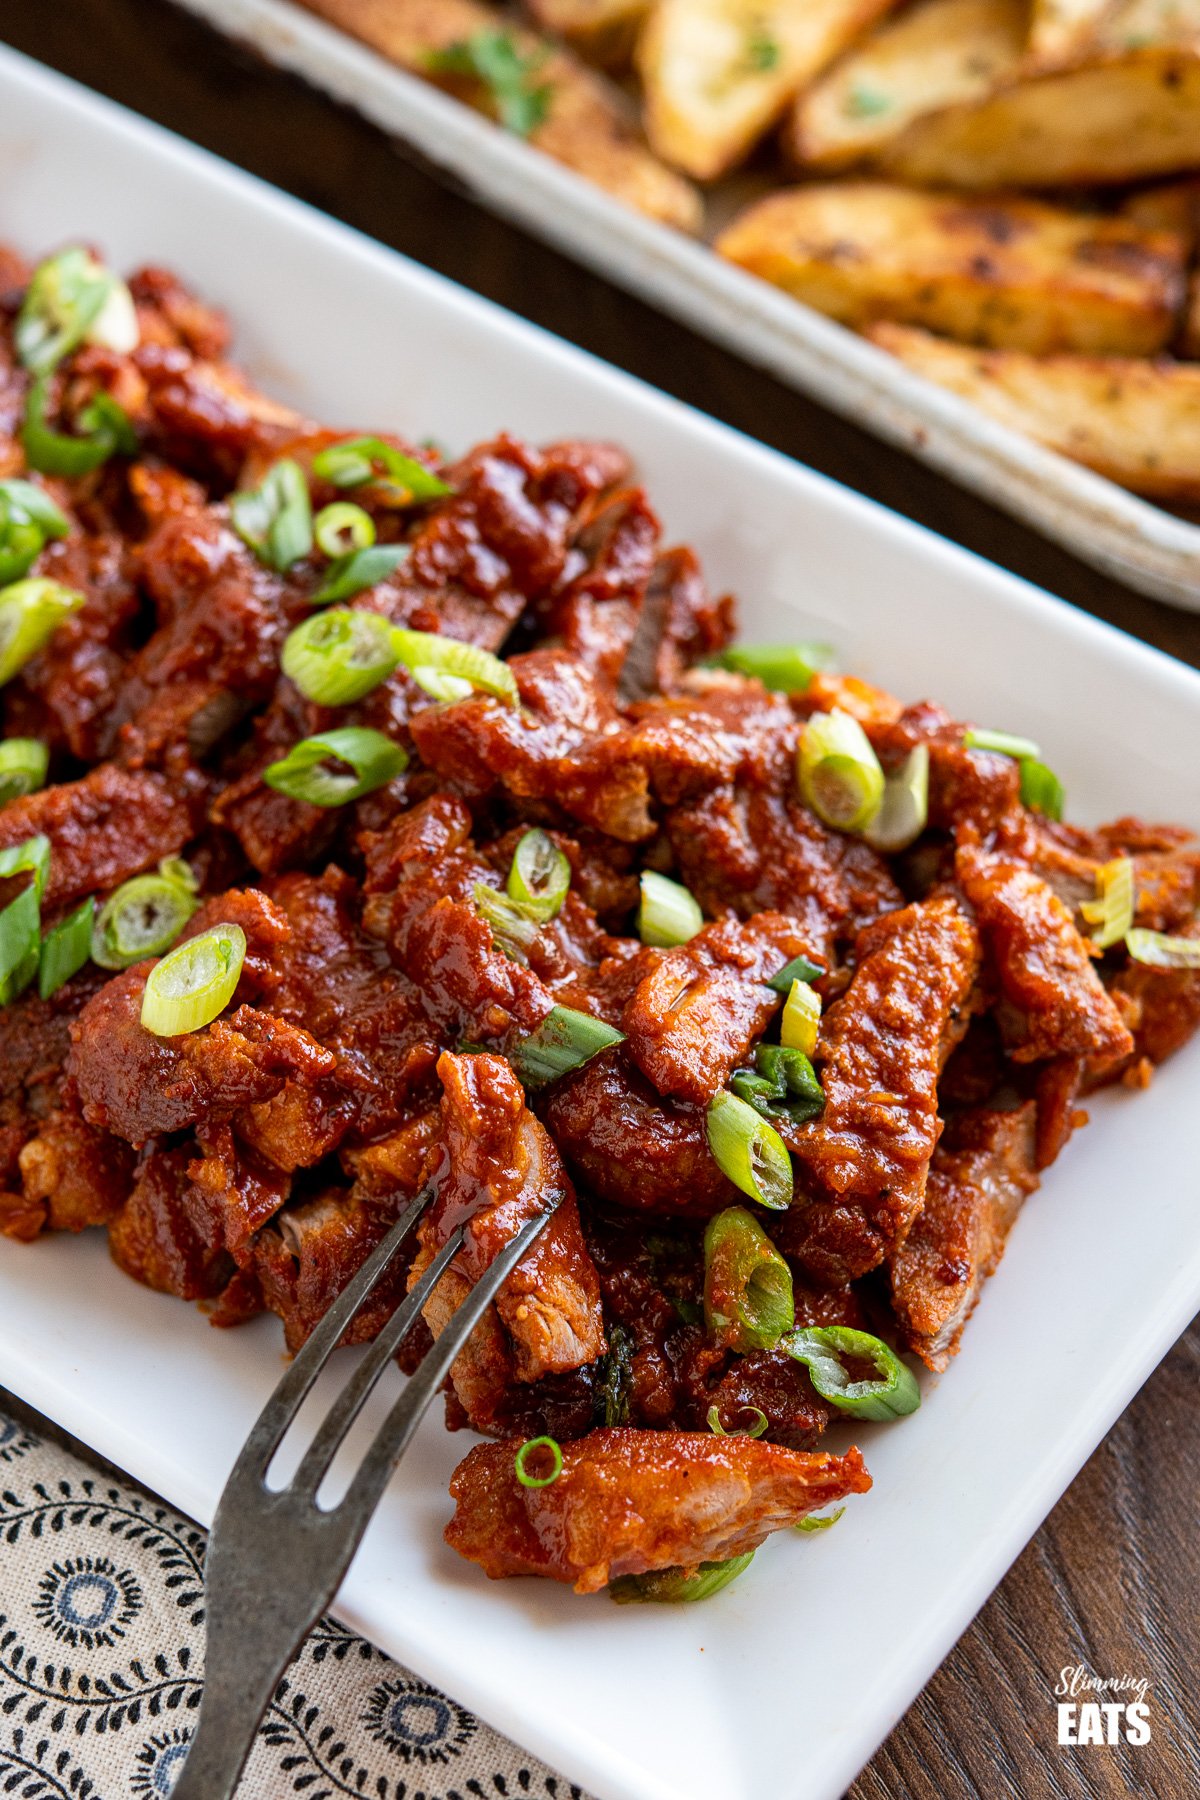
x: 712, y: 90
x: 1136, y: 422
x: 1015, y: 274
x: 603, y: 31
x: 1060, y: 30
x: 1125, y: 115
x: 935, y: 54
x: 587, y: 127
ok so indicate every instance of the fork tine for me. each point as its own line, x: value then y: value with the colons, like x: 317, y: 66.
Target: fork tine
x: 353, y: 1397
x: 272, y: 1423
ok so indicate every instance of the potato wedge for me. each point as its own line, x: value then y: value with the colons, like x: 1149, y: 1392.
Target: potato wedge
x: 586, y: 122
x: 603, y: 31
x: 1016, y: 274
x: 1136, y: 422
x: 1189, y: 338
x: 936, y: 53
x: 1128, y: 115
x: 718, y: 73
x: 1167, y: 206
x: 1061, y: 30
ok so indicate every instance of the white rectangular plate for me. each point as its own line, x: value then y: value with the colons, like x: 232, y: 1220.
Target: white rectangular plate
x: 785, y: 1684
x: 1116, y: 531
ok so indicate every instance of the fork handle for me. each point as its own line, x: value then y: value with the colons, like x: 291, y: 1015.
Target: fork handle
x: 230, y: 1713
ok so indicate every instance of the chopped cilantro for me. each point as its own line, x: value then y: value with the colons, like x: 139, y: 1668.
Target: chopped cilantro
x: 492, y: 59
x: 864, y: 103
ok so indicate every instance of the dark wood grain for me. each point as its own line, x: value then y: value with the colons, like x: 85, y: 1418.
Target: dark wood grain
x: 1113, y: 1577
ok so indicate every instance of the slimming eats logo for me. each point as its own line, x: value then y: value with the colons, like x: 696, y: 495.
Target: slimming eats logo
x: 1101, y: 1709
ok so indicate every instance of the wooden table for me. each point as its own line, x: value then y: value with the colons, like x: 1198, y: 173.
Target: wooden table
x: 1112, y: 1578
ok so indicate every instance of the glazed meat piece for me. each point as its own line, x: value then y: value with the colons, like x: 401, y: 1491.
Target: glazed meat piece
x: 629, y: 1501
x: 1166, y: 865
x: 1160, y: 1006
x: 1055, y: 1002
x: 168, y: 1235
x: 970, y: 791
x: 980, y: 1177
x: 881, y: 1049
x: 596, y: 611
x: 497, y: 1168
x: 78, y: 1175
x: 111, y: 824
x: 679, y: 624
x: 306, y: 1256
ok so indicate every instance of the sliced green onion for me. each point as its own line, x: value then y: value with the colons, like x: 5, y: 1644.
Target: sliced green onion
x: 904, y: 813
x: 612, y: 1393
x: 65, y: 948
x: 1114, y: 906
x: 106, y: 425
x: 359, y: 460
x: 801, y: 1019
x: 343, y: 527
x: 23, y: 765
x: 1002, y: 742
x: 753, y: 1430
x: 144, y: 917
x: 522, y: 1457
x: 194, y: 982
x: 749, y: 1151
x: 563, y: 1041
x: 785, y: 668
x: 336, y: 657
x: 450, y: 670
x: 839, y: 773
x: 303, y: 775
x: 33, y: 854
x: 30, y: 613
x: 19, y: 927
x: 539, y: 875
x: 671, y: 1586
x: 72, y: 299
x: 748, y: 1301
x: 275, y: 518
x: 360, y: 570
x: 28, y: 519
x: 824, y: 1350
x: 1158, y: 951
x: 782, y: 1085
x: 514, y: 927
x: 668, y: 914
x: 819, y: 1522
x: 1041, y: 790
x: 801, y: 968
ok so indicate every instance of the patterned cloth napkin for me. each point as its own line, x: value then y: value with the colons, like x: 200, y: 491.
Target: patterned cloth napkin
x: 102, y: 1666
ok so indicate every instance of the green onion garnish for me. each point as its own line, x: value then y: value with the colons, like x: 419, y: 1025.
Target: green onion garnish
x: 19, y: 926
x: 341, y: 528
x: 824, y: 1350
x: 336, y: 657
x: 754, y: 1430
x: 492, y: 59
x: 194, y: 982
x: 30, y: 612
x: 1002, y: 742
x: 33, y: 854
x: 275, y: 518
x: 28, y: 519
x: 904, y: 812
x: 1158, y: 951
x: 72, y: 298
x: 356, y: 461
x: 801, y: 1019
x: 144, y: 916
x: 785, y: 668
x: 1041, y: 790
x: 667, y: 914
x: 23, y: 765
x: 747, y: 1284
x: 65, y: 948
x: 450, y: 670
x: 839, y: 773
x: 749, y: 1151
x: 563, y: 1041
x: 671, y: 1586
x: 782, y: 1085
x: 106, y: 426
x: 1113, y: 908
x: 539, y: 875
x: 303, y: 774
x: 819, y: 1522
x: 801, y: 968
x: 514, y: 927
x: 521, y: 1459
x: 360, y: 570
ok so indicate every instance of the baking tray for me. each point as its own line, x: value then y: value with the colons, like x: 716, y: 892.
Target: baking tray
x: 1139, y: 543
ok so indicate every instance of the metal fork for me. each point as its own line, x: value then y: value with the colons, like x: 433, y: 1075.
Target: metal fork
x: 275, y: 1559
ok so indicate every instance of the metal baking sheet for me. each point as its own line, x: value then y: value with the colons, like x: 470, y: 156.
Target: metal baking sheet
x: 1138, y: 542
